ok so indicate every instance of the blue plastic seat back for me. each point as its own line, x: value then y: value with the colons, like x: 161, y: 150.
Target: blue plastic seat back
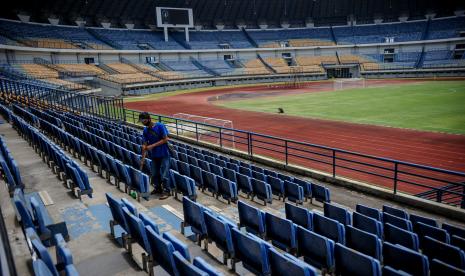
x: 196, y: 174
x: 219, y: 231
x: 245, y: 171
x: 116, y: 209
x: 216, y: 170
x: 193, y: 161
x: 233, y: 166
x: 26, y: 215
x: 183, y: 157
x: 351, y: 262
x: 43, y: 254
x: 307, y: 186
x: 280, y: 231
x: 434, y: 232
x: 226, y: 188
x: 293, y: 192
x: 243, y: 183
x: 397, y: 221
x: 259, y: 176
x: 320, y: 193
x: 340, y: 214
x: 139, y: 180
x: 417, y: 218
x: 441, y: 268
x: 329, y: 228
x: 193, y: 216
x: 178, y: 245
x: 285, y: 177
x: 316, y: 249
x: 204, y: 165
x: 402, y: 258
x: 184, y: 267
x: 229, y: 174
x: 444, y: 252
x: 203, y: 265
x: 395, y: 212
x: 277, y: 185
x: 138, y: 233
x: 364, y: 242
x: 261, y: 190
x: 367, y: 224
x: 183, y: 168
x: 396, y: 235
x: 149, y: 222
x: 251, y: 251
x: 42, y: 217
x: 123, y: 172
x: 181, y: 183
x: 285, y: 264
x: 162, y: 251
x: 454, y: 230
x: 173, y: 164
x: 299, y: 215
x: 210, y: 181
x: 41, y: 269
x: 251, y: 218
x: 457, y: 241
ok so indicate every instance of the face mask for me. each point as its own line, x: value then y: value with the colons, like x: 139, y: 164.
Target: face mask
x: 147, y: 123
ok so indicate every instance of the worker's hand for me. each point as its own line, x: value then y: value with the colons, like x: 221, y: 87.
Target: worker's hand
x: 142, y: 162
x: 144, y: 147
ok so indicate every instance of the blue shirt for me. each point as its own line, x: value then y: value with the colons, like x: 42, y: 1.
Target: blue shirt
x: 151, y: 137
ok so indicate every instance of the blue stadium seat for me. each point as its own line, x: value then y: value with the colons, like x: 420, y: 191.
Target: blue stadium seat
x: 184, y: 267
x: 402, y: 258
x: 369, y: 212
x: 233, y: 167
x: 251, y: 251
x: 245, y: 171
x: 79, y: 179
x: 417, y: 218
x: 436, y: 233
x: 396, y: 235
x: 62, y: 252
x: 216, y: 170
x: 210, y: 182
x: 177, y: 245
x: 230, y: 175
x: 138, y: 234
x: 43, y: 254
x: 204, y: 266
x: 389, y: 271
x: 281, y: 232
x: 123, y: 175
x: 219, y: 231
x: 139, y: 183
x: 395, y: 212
x: 244, y: 184
x: 192, y: 161
x: 194, y: 217
x: 307, y: 186
x: 329, y: 228
x: 284, y: 177
x: 270, y: 173
x: 161, y: 252
x: 457, y: 241
x: 183, y: 184
x: 259, y: 176
x: 367, y: 224
x: 364, y: 242
x: 454, y: 230
x: 227, y: 189
x: 293, y: 192
x: 299, y: 216
x: 183, y: 168
x: 447, y: 253
x: 149, y: 222
x: 262, y: 191
x: 439, y: 268
x: 320, y: 193
x: 196, y: 174
x: 116, y: 209
x: 397, y: 221
x: 277, y: 186
x: 251, y: 218
x: 316, y: 249
x: 340, y: 214
x: 204, y: 165
x: 352, y: 262
x: 286, y: 264
x: 41, y: 269
x: 173, y: 164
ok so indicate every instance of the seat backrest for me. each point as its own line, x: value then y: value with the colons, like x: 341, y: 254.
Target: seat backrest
x: 184, y: 267
x: 351, y: 262
x: 316, y: 249
x: 306, y: 185
x: 149, y: 222
x: 417, y: 218
x: 226, y: 188
x: 43, y: 254
x: 219, y: 232
x: 397, y: 221
x: 162, y: 251
x: 367, y: 224
x: 329, y: 228
x: 215, y: 169
x: 434, y: 232
x: 277, y: 185
x: 40, y: 216
x: 203, y: 265
x: 285, y: 264
x: 395, y: 211
x: 447, y: 253
x: 454, y: 230
x: 293, y: 191
x: 178, y: 245
x: 251, y: 218
x: 243, y: 183
x: 259, y: 175
x: 364, y: 242
x: 369, y: 212
x: 251, y: 251
x: 280, y: 231
x: 196, y: 174
x: 183, y: 168
x: 259, y: 188
x: 320, y: 193
x: 229, y: 174
x: 40, y: 268
x: 396, y: 235
x: 441, y: 268
x: 210, y: 181
x: 299, y: 215
x: 405, y: 259
x: 193, y: 216
x: 457, y: 241
x: 340, y: 214
x: 116, y: 209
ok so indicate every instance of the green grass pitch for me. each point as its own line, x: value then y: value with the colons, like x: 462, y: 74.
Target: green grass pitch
x: 437, y: 106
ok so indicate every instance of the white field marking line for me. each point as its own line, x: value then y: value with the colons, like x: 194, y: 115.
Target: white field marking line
x: 174, y: 211
x: 46, y: 199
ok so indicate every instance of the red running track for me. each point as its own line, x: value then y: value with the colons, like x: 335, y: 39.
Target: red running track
x: 440, y: 150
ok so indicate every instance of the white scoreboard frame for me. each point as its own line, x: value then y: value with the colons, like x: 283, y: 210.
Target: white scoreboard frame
x: 163, y: 25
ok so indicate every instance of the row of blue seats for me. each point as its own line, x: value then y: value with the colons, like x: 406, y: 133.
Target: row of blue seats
x: 68, y: 169
x: 260, y: 257
x: 9, y: 168
x: 242, y: 173
x: 163, y: 249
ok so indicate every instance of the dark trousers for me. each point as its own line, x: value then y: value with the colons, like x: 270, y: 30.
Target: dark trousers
x: 160, y: 168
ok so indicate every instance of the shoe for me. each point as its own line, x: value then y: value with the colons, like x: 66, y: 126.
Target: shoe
x: 164, y: 195
x: 154, y: 192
